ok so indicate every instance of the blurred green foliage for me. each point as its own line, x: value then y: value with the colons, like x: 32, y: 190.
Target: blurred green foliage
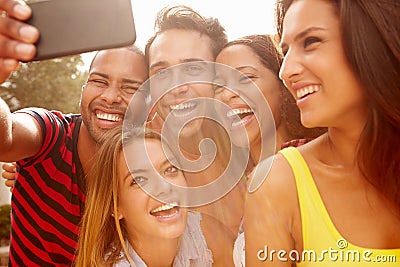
x: 52, y: 84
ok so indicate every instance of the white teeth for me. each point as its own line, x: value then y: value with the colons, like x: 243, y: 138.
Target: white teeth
x: 182, y: 106
x: 307, y: 90
x: 238, y: 111
x: 236, y: 123
x: 108, y: 117
x: 165, y: 207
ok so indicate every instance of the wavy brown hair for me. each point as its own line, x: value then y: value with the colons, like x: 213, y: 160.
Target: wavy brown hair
x: 371, y: 39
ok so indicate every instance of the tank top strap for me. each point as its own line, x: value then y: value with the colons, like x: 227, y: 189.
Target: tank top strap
x: 320, y: 236
x: 315, y: 226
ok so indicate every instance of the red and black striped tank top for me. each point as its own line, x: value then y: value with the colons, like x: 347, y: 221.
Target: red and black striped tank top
x: 48, y: 196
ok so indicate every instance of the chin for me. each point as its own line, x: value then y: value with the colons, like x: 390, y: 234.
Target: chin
x: 240, y: 141
x: 172, y: 231
x: 310, y: 124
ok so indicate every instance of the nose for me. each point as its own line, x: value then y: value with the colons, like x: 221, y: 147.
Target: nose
x: 180, y: 91
x: 291, y: 68
x: 226, y: 95
x: 111, y: 94
x: 161, y: 188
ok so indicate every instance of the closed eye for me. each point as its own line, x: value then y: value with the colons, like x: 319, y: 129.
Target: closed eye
x: 246, y: 78
x: 193, y: 69
x: 310, y: 41
x: 218, y: 85
x: 161, y: 73
x: 98, y: 83
x: 130, y: 89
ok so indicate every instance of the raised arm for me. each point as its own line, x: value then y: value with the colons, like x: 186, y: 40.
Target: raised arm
x: 20, y: 135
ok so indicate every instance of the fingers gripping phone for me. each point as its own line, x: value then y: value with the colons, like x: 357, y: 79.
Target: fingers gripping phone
x: 70, y: 27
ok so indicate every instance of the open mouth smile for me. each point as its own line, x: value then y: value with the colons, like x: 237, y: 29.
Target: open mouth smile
x: 308, y: 90
x: 166, y: 211
x: 240, y: 116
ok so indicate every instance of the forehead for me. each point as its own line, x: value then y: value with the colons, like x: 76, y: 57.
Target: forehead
x: 175, y: 46
x: 120, y: 63
x: 237, y: 54
x: 144, y: 153
x: 304, y: 14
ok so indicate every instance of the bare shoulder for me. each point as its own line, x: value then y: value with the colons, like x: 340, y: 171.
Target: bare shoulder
x: 277, y: 185
x: 271, y: 212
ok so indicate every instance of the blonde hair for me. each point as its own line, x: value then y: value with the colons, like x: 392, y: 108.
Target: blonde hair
x: 102, y: 235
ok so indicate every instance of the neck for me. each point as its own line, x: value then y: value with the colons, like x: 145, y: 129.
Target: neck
x: 343, y: 139
x: 166, y: 249
x: 87, y: 147
x: 255, y: 152
x: 190, y: 145
x: 343, y: 148
x: 282, y: 136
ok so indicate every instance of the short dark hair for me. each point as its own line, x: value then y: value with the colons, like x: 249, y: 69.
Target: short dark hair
x: 185, y: 18
x: 134, y: 48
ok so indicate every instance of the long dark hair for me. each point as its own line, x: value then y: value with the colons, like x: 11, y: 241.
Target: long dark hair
x: 371, y: 39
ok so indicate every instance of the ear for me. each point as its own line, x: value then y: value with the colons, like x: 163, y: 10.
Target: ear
x: 118, y: 213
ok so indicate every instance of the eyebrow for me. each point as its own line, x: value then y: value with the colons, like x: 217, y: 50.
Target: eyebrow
x: 163, y: 164
x: 245, y: 67
x: 167, y: 162
x: 125, y: 80
x: 106, y: 76
x: 99, y: 74
x: 192, y: 60
x: 304, y: 33
x: 158, y: 64
x: 165, y: 63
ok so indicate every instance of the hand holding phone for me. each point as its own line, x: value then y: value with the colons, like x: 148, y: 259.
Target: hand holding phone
x: 16, y: 37
x: 76, y: 26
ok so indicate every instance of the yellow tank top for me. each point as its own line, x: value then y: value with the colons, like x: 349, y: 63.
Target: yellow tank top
x: 322, y: 243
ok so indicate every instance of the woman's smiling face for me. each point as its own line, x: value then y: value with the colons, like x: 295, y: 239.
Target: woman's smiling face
x: 145, y: 217
x: 253, y: 72
x: 315, y: 68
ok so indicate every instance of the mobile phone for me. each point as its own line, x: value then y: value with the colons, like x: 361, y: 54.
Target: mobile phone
x: 69, y: 27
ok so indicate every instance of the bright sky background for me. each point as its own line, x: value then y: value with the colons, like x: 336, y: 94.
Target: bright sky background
x: 239, y: 18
